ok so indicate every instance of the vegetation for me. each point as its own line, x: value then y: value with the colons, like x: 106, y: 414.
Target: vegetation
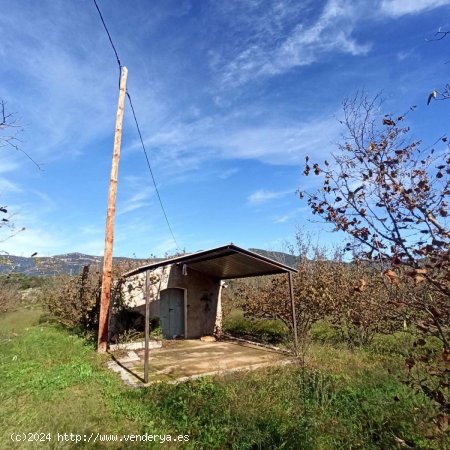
x: 272, y: 332
x: 9, y: 131
x: 373, y: 327
x: 344, y: 399
x: 15, y: 289
x: 390, y: 283
x: 350, y: 296
x: 390, y: 195
x: 75, y: 301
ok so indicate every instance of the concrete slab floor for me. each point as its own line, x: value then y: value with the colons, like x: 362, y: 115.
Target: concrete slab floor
x: 178, y: 361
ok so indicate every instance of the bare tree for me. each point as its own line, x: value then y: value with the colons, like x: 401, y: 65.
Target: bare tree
x: 390, y: 194
x: 9, y: 132
x: 444, y: 93
x: 8, y: 138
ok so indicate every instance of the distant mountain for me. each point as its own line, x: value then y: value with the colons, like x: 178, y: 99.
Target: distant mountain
x: 70, y: 263
x: 283, y: 258
x: 73, y: 263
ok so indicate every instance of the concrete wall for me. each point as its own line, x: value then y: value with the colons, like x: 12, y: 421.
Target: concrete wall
x: 203, y: 314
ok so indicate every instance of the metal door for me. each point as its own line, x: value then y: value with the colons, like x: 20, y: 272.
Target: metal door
x: 172, y: 313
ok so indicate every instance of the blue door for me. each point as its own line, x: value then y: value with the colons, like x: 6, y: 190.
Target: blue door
x: 172, y: 313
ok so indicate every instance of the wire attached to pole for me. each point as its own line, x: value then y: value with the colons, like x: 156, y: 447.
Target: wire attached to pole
x: 138, y: 128
x: 107, y: 32
x: 151, y: 171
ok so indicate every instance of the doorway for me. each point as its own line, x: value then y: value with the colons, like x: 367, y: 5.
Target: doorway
x: 172, y: 313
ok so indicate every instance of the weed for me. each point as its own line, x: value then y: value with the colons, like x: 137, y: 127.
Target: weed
x: 54, y: 381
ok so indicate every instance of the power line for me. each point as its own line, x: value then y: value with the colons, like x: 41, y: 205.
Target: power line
x: 151, y: 171
x: 107, y: 32
x: 138, y: 129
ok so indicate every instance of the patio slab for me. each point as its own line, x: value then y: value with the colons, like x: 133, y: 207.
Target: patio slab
x: 179, y: 361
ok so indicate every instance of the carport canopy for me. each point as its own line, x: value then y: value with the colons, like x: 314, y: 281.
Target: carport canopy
x: 226, y: 262
x: 223, y: 263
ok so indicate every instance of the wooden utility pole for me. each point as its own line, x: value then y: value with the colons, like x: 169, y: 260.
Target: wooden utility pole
x: 109, y: 232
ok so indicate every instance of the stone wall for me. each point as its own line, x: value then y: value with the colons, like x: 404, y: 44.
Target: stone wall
x: 202, y: 297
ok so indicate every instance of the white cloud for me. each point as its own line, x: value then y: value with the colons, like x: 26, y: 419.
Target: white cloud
x: 263, y: 196
x: 73, y: 76
x: 34, y: 239
x: 187, y: 146
x: 397, y: 8
x: 403, y: 55
x: 289, y: 216
x: 225, y: 174
x: 165, y: 246
x: 277, y: 144
x: 137, y: 200
x: 272, y: 49
x: 92, y: 247
x: 46, y: 204
x: 7, y: 186
x: 331, y: 33
x: 8, y: 165
x: 303, y: 45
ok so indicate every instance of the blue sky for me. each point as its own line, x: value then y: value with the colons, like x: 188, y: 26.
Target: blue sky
x: 230, y: 95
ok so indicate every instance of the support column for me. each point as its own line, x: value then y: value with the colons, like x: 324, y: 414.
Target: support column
x: 294, y: 315
x: 147, y: 327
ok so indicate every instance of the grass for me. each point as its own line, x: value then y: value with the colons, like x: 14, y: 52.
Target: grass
x: 54, y: 381
x: 265, y: 331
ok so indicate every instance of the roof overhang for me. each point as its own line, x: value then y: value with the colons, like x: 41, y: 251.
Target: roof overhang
x: 227, y: 262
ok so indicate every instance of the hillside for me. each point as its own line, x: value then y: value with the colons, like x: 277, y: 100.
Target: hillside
x: 284, y: 258
x: 70, y: 263
x: 73, y: 263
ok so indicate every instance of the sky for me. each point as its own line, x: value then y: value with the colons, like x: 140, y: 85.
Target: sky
x: 230, y: 95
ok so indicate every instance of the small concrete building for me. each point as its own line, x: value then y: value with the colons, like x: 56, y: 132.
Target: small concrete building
x: 186, y: 305
x: 184, y: 293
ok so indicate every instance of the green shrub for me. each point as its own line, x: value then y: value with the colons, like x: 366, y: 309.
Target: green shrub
x: 22, y: 281
x: 402, y: 343
x: 399, y: 343
x: 323, y: 332
x: 74, y: 301
x: 259, y: 330
x: 49, y: 376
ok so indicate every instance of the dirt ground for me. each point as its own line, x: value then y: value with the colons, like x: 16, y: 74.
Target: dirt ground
x: 180, y: 360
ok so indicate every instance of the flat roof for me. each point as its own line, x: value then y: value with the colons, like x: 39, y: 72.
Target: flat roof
x: 226, y: 262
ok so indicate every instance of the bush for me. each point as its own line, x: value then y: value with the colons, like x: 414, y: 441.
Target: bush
x: 260, y: 330
x: 22, y: 281
x: 9, y: 297
x: 74, y: 301
x: 324, y: 332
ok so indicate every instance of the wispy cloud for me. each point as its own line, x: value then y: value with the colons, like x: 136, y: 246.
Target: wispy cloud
x: 7, y: 186
x: 8, y: 165
x: 280, y: 144
x: 263, y: 196
x: 303, y: 45
x: 187, y: 146
x: 166, y: 246
x: 294, y: 214
x: 276, y: 45
x: 225, y: 174
x: 397, y: 8
x: 210, y: 100
x: 33, y: 239
x: 137, y: 200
